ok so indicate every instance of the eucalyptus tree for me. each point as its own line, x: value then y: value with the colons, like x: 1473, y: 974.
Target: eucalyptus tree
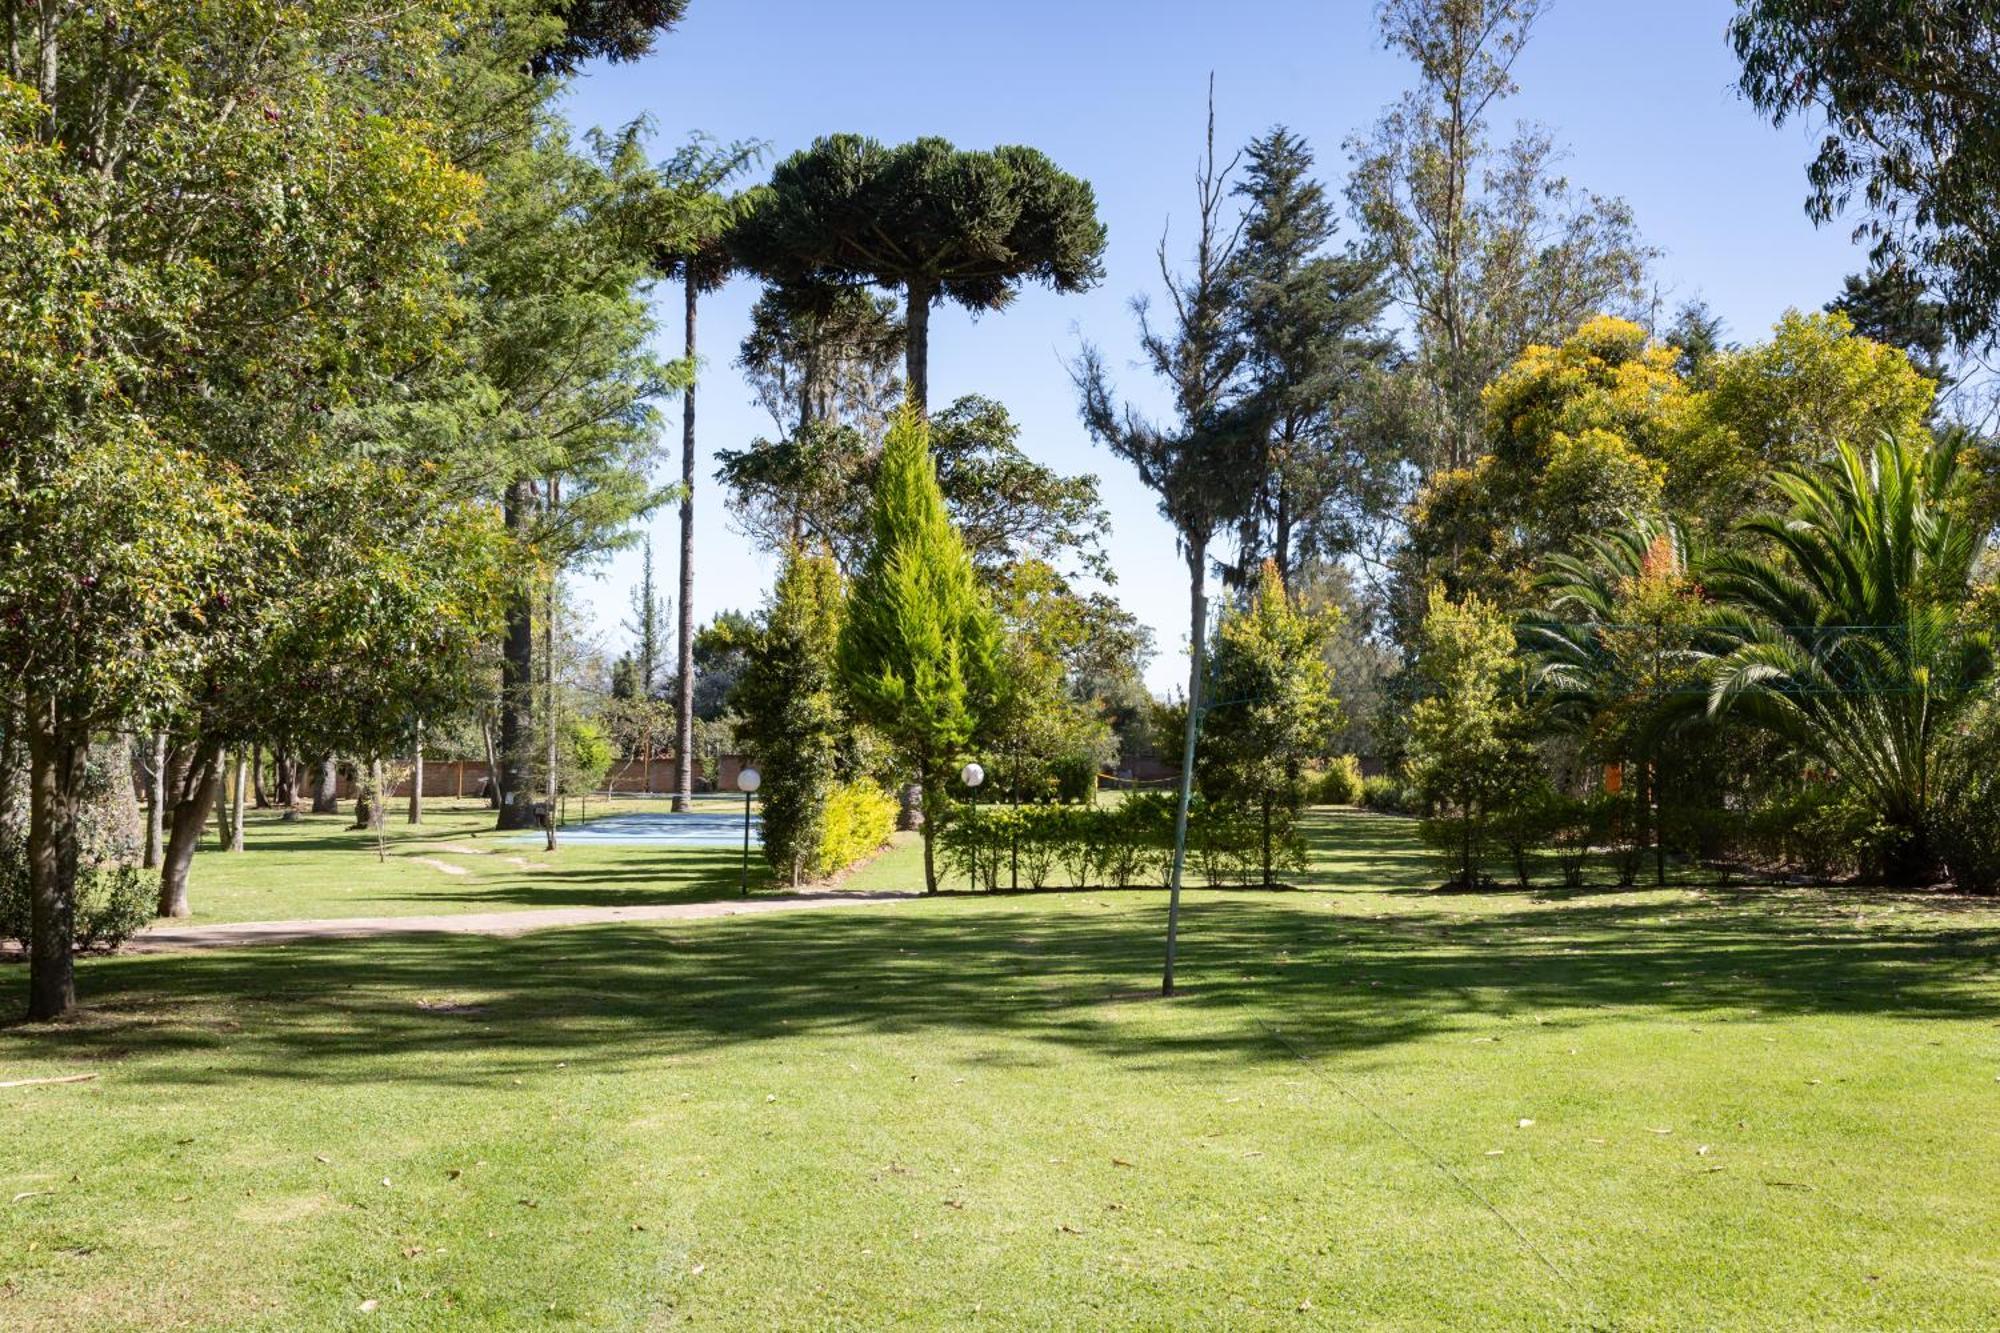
x: 936, y: 221
x: 1905, y: 89
x: 694, y: 250
x: 817, y: 353
x: 1488, y: 250
x: 1203, y: 465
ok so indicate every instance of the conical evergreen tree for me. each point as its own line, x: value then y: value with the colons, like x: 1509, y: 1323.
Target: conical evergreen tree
x: 920, y: 645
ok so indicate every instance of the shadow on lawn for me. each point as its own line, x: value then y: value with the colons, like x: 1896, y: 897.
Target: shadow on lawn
x: 605, y: 997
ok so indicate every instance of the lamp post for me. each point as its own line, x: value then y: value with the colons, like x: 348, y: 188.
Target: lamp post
x: 972, y: 775
x: 747, y: 782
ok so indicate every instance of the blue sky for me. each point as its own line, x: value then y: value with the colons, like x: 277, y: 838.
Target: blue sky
x: 1641, y: 94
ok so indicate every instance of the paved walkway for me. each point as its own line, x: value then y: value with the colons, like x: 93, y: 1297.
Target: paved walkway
x: 236, y: 934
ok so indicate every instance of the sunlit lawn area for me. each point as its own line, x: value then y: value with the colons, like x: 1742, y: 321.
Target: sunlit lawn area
x: 1373, y: 1107
x: 318, y: 866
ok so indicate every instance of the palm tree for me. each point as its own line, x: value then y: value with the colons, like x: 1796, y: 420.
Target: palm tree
x: 1619, y: 654
x: 1847, y: 630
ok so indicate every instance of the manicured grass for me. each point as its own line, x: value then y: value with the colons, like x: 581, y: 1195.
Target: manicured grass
x: 1750, y: 1109
x: 319, y: 867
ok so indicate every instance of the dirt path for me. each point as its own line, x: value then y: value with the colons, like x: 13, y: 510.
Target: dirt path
x: 177, y: 939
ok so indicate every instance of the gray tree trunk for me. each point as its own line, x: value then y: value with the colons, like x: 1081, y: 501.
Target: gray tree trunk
x: 326, y: 791
x: 1197, y: 631
x: 156, y: 801
x: 684, y: 681
x: 196, y: 780
x: 55, y: 776
x: 517, y: 680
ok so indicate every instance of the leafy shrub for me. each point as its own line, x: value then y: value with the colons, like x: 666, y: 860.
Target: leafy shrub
x: 113, y: 902
x: 1383, y: 793
x: 1341, y: 783
x: 859, y: 817
x: 1966, y: 834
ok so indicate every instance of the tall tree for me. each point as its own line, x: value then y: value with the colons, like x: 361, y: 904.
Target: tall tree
x: 941, y: 223
x: 824, y: 354
x: 1202, y: 466
x: 1275, y: 708
x: 1310, y: 316
x: 1890, y: 305
x: 919, y: 647
x: 694, y: 250
x: 647, y: 628
x: 789, y: 700
x: 1907, y: 90
x: 1488, y: 249
x: 614, y: 30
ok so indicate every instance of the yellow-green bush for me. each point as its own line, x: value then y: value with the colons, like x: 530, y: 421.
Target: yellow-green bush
x: 860, y: 816
x: 1341, y: 783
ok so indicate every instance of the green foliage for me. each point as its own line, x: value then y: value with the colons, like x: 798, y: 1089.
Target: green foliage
x: 1468, y: 753
x: 939, y: 222
x: 1387, y: 795
x: 1489, y: 249
x: 1340, y: 783
x: 1311, y: 317
x: 1850, y: 641
x: 1124, y: 845
x: 792, y: 722
x: 113, y: 902
x: 1905, y: 91
x: 858, y: 820
x: 1785, y: 404
x: 919, y: 650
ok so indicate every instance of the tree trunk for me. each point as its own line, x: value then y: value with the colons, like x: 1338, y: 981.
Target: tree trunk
x: 492, y: 767
x: 517, y: 678
x: 1267, y: 839
x: 416, y: 814
x: 262, y: 797
x: 326, y: 792
x: 1197, y: 632
x: 917, y: 346
x: 236, y: 806
x: 286, y: 767
x: 156, y: 802
x: 196, y: 779
x: 684, y: 680
x: 55, y: 775
x: 13, y: 765
x: 929, y: 828
x: 222, y: 807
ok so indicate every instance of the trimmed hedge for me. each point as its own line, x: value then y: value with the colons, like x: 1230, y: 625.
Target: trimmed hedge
x: 1124, y: 845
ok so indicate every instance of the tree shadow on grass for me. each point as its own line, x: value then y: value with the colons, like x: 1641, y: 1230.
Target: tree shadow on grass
x: 474, y: 1011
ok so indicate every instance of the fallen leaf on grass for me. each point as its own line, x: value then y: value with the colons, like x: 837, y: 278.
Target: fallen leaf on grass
x: 954, y: 1203
x: 1067, y: 1229
x: 1659, y: 1131
x: 453, y: 1173
x: 1119, y: 1161
x: 1305, y: 1306
x: 1524, y: 1124
x: 528, y: 1203
x: 368, y: 1306
x: 697, y: 1270
x: 183, y: 1198
x: 29, y: 1194
x: 1790, y: 1184
x: 321, y: 1157
x: 1495, y: 1152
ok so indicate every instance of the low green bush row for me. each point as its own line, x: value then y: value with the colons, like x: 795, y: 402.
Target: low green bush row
x: 1123, y: 845
x: 113, y: 902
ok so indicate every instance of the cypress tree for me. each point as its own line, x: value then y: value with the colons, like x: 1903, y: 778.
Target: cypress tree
x: 920, y: 645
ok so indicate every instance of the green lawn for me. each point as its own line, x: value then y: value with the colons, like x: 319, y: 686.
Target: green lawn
x: 317, y: 866
x: 1373, y: 1107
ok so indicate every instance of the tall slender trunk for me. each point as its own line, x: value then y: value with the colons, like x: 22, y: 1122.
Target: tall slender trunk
x: 262, y: 797
x: 492, y: 766
x: 917, y: 345
x: 326, y: 791
x: 13, y: 767
x: 1267, y: 839
x: 156, y: 801
x: 684, y: 680
x: 285, y: 766
x: 195, y: 779
x: 55, y: 777
x: 517, y: 677
x: 416, y: 815
x: 236, y: 807
x: 929, y: 828
x: 1197, y: 633
x: 554, y: 756
x: 222, y: 807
